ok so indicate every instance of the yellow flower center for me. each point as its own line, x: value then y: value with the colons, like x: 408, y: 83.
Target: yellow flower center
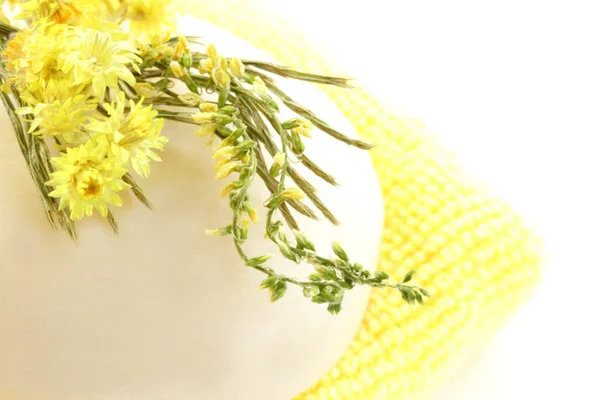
x: 93, y: 188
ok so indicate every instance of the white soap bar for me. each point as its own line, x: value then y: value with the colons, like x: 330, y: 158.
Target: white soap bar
x: 164, y: 311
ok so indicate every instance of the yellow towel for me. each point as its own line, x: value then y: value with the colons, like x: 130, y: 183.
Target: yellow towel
x: 470, y: 249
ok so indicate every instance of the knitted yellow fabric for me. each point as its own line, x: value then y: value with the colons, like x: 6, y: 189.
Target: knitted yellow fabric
x: 471, y: 251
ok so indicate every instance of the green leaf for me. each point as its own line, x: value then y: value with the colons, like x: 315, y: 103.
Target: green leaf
x: 320, y: 299
x: 334, y: 308
x: 418, y: 297
x: 408, y: 277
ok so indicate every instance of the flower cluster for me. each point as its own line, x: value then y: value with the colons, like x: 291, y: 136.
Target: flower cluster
x: 88, y: 85
x: 71, y: 67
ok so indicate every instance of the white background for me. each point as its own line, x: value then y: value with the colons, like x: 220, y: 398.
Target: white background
x: 513, y: 87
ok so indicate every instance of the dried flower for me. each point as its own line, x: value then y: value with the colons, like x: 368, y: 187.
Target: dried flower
x: 87, y: 178
x: 133, y: 136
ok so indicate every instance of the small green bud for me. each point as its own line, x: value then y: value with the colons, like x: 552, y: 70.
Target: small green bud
x: 243, y: 233
x: 303, y: 241
x: 223, y: 119
x: 327, y: 273
x: 286, y: 251
x: 357, y: 267
x: 268, y: 283
x: 245, y: 145
x: 339, y: 251
x: 348, y: 285
x: 257, y: 261
x: 220, y: 232
x: 228, y: 110
x: 237, y: 67
x: 186, y: 60
x: 380, y: 275
x: 273, y: 229
x: 223, y: 96
x: 274, y: 170
x: 291, y: 123
x: 297, y: 144
x: 224, y: 131
x: 278, y: 291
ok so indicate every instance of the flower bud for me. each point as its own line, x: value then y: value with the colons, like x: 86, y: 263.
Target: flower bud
x: 207, y: 129
x: 177, y: 69
x: 209, y: 107
x: 237, y: 68
x: 279, y: 159
x: 221, y: 78
x: 203, y: 117
x: 292, y: 194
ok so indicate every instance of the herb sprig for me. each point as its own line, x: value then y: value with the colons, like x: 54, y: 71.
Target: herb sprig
x: 238, y: 104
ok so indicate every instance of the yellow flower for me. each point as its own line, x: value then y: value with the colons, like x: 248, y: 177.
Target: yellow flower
x: 181, y: 48
x: 279, y: 159
x: 225, y: 152
x: 292, y: 194
x: 303, y: 127
x: 237, y: 68
x: 132, y: 135
x: 14, y: 55
x: 177, y: 69
x: 72, y: 55
x: 207, y: 129
x: 87, y: 178
x: 204, y: 117
x: 148, y: 17
x: 102, y: 61
x: 221, y: 78
x: 39, y: 56
x: 224, y: 169
x: 259, y: 86
x: 207, y: 107
x: 60, y: 113
x: 146, y: 90
x: 89, y: 13
x: 253, y: 215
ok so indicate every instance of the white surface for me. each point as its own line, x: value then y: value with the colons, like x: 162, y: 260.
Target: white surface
x: 513, y: 87
x: 166, y: 312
